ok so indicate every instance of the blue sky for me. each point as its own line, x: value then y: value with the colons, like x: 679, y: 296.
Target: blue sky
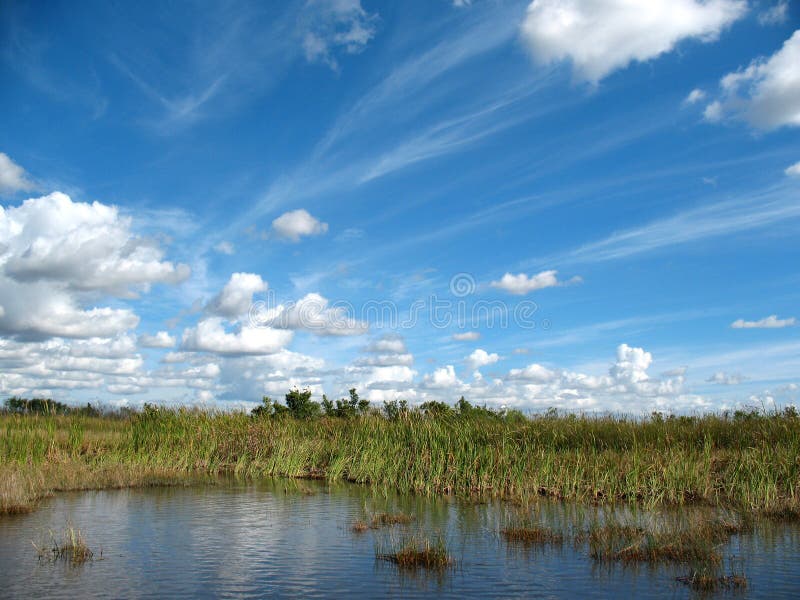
x: 592, y: 205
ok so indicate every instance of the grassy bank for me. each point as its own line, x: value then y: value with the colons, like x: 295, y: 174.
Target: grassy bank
x: 749, y: 462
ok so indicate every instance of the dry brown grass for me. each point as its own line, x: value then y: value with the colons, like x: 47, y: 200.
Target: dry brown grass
x: 531, y: 534
x: 704, y: 582
x: 383, y: 519
x: 359, y: 527
x: 414, y: 553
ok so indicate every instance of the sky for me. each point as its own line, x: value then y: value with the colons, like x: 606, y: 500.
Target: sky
x: 591, y: 205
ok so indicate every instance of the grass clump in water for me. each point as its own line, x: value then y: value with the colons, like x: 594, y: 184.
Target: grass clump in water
x: 418, y: 552
x: 70, y: 547
x: 702, y: 581
x: 693, y: 544
x: 384, y: 519
x: 359, y: 526
x: 530, y: 533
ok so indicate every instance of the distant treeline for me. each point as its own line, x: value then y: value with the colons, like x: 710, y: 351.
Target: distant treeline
x: 299, y: 405
x: 47, y: 406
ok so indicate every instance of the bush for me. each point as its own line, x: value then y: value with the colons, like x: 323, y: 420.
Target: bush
x: 300, y: 405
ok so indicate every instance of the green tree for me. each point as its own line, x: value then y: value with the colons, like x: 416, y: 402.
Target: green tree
x: 300, y: 405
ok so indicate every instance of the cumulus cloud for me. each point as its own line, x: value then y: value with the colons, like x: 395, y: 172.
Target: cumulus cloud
x: 467, y: 336
x: 209, y: 335
x: 236, y: 297
x: 161, y: 339
x: 12, y: 177
x: 601, y: 36
x: 770, y: 322
x: 775, y: 14
x: 766, y: 93
x: 295, y: 224
x: 312, y: 313
x: 443, y: 378
x: 627, y: 386
x: 337, y: 26
x: 794, y: 170
x: 57, y: 257
x: 521, y: 283
x: 80, y: 246
x: 480, y: 358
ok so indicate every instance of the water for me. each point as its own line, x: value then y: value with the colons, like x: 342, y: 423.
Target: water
x: 287, y: 539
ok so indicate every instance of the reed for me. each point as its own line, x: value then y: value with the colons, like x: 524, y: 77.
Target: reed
x: 418, y: 552
x: 383, y: 519
x: 695, y: 542
x: 702, y: 581
x: 70, y: 547
x: 529, y: 533
x: 748, y: 462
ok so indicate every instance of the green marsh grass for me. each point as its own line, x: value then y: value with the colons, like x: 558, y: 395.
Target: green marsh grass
x: 749, y: 463
x: 417, y: 551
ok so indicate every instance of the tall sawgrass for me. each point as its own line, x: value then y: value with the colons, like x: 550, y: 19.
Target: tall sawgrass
x: 749, y: 462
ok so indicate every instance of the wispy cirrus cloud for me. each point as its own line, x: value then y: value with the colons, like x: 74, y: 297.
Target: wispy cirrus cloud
x: 759, y: 209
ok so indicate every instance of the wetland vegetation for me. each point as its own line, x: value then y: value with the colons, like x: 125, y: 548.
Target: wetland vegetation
x: 747, y: 461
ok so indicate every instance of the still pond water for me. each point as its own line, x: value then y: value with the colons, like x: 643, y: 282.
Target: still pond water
x: 294, y: 539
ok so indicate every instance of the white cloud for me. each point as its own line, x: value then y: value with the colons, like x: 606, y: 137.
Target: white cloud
x: 695, y: 96
x: 601, y: 36
x: 389, y: 350
x: 523, y: 284
x: 236, y: 297
x: 766, y: 93
x: 533, y: 372
x: 632, y: 364
x: 794, y: 170
x: 295, y: 224
x: 83, y: 247
x: 209, y: 335
x: 224, y: 247
x: 388, y: 344
x: 467, y: 336
x: 443, y: 378
x: 480, y: 358
x: 775, y: 14
x: 12, y: 177
x: 312, y: 313
x: 722, y: 378
x: 161, y: 339
x: 337, y: 25
x: 626, y: 387
x: 770, y: 322
x: 749, y: 211
x: 714, y: 112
